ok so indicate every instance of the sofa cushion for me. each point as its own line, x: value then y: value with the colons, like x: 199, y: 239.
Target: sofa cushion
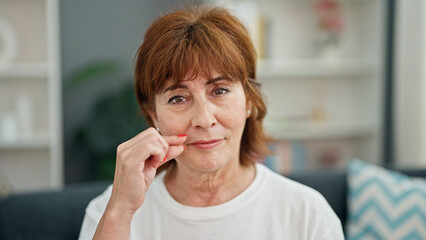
x: 47, y: 215
x: 331, y: 183
x: 384, y: 204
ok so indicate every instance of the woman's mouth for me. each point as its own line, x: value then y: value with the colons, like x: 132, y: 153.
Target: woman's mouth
x: 206, y: 144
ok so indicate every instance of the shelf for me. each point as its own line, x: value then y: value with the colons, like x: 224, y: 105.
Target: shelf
x: 314, y: 68
x: 279, y: 1
x: 27, y: 70
x: 325, y: 99
x: 30, y: 89
x: 316, y: 131
x: 39, y: 141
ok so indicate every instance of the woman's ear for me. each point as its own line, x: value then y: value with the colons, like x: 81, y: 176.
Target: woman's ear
x: 248, y: 108
x: 154, y: 118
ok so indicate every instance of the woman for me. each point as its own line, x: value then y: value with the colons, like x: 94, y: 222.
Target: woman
x: 195, y: 85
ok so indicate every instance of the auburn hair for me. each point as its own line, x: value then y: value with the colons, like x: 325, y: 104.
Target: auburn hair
x: 195, y: 41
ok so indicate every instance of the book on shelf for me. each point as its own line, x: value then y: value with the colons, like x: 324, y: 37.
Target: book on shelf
x: 298, y: 156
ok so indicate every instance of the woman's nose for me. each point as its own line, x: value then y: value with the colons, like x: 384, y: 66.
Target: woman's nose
x: 203, y: 115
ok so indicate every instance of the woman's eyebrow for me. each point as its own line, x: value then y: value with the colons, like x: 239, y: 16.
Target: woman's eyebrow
x: 183, y: 86
x: 173, y: 87
x: 218, y: 78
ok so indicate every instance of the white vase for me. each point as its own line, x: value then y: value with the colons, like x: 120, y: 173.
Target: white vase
x: 8, y: 45
x: 330, y: 53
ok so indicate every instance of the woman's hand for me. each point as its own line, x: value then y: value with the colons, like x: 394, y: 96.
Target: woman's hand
x: 137, y: 162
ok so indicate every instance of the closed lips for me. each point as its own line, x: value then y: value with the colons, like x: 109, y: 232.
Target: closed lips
x: 206, y: 144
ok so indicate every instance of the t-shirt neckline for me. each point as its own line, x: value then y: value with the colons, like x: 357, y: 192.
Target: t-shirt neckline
x: 217, y: 211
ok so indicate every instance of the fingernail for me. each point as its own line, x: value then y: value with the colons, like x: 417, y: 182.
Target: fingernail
x: 161, y: 163
x: 184, y: 147
x: 182, y: 135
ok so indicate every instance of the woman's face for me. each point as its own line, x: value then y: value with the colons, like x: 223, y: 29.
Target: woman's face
x: 212, y: 112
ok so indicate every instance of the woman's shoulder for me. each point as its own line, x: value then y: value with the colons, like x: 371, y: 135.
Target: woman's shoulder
x: 293, y: 195
x: 288, y: 190
x: 97, y: 206
x: 299, y: 204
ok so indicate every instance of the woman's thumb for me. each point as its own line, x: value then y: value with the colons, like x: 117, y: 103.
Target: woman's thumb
x: 175, y: 151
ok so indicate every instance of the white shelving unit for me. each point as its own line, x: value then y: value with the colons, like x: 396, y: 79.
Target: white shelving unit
x: 40, y: 141
x: 25, y: 71
x: 314, y: 68
x: 30, y: 96
x: 319, y: 101
x: 304, y: 131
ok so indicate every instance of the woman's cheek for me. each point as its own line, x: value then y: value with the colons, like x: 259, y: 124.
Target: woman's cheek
x: 235, y: 116
x: 173, y: 124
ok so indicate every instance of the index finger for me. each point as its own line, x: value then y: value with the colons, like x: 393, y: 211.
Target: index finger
x: 175, y: 139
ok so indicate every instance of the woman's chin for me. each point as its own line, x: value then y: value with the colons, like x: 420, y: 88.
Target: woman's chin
x: 204, y: 164
x: 210, y: 166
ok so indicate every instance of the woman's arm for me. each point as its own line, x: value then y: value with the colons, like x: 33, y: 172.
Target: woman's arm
x: 114, y: 224
x: 137, y: 161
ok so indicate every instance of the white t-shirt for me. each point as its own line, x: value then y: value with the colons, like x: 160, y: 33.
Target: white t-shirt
x: 272, y: 207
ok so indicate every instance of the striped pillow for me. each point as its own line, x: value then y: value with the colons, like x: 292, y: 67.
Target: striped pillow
x: 384, y: 204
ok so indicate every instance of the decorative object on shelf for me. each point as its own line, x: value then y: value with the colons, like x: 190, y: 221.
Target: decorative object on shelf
x: 330, y: 25
x: 9, y: 126
x: 24, y: 112
x: 319, y: 115
x: 8, y: 45
x: 17, y: 124
x: 257, y: 25
x: 330, y: 157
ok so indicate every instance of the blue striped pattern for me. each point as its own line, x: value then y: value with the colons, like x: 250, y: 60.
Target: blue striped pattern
x: 384, y: 204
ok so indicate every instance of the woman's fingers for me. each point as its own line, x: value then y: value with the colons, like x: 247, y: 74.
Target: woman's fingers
x: 175, y: 139
x: 151, y: 134
x: 176, y: 147
x: 160, y: 148
x: 174, y: 151
x: 156, y: 155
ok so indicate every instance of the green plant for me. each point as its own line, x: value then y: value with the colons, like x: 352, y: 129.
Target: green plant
x: 113, y: 118
x: 92, y: 72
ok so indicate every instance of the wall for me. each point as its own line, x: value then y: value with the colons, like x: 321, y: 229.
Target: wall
x: 410, y: 84
x: 423, y: 76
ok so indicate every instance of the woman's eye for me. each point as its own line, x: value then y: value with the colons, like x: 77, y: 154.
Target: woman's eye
x: 176, y: 100
x: 221, y: 91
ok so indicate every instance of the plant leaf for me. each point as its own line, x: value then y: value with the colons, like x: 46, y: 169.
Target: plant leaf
x: 94, y: 71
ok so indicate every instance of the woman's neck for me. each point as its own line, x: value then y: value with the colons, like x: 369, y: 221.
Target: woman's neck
x: 200, y: 189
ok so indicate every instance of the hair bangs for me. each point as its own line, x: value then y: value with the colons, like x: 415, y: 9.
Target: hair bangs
x: 200, y: 51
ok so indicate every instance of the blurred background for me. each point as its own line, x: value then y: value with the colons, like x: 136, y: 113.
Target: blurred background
x: 342, y: 79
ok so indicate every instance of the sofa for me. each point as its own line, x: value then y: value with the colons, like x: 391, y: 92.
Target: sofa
x: 59, y: 214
